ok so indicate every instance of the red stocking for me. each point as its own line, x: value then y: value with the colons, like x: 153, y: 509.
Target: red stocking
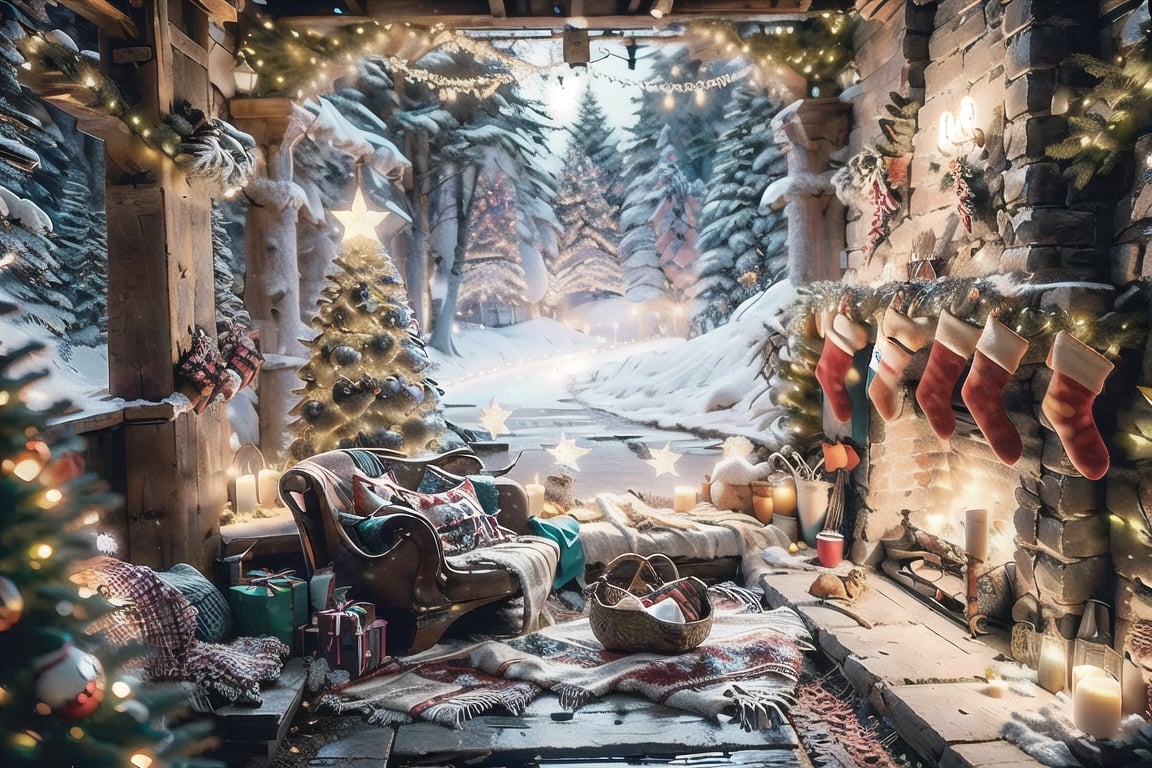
x: 901, y: 336
x: 955, y: 343
x: 1078, y: 375
x: 841, y: 342
x: 997, y: 357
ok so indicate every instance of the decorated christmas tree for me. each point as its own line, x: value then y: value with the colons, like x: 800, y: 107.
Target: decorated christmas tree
x: 65, y: 699
x: 365, y: 384
x: 494, y: 285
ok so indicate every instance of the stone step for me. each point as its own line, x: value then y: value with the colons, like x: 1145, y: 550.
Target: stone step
x: 246, y: 732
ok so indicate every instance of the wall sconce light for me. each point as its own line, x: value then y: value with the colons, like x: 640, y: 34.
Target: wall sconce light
x: 958, y: 130
x: 660, y: 8
x: 244, y: 75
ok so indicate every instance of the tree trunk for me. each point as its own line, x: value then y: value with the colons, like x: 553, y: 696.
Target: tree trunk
x: 419, y: 255
x: 463, y: 197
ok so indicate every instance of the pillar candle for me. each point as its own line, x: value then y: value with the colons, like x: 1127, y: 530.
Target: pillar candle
x: 1096, y: 706
x: 1052, y: 667
x: 268, y: 485
x: 1081, y: 671
x: 783, y: 499
x: 245, y: 494
x: 684, y: 498
x: 535, y: 499
x: 976, y: 533
x: 1134, y: 687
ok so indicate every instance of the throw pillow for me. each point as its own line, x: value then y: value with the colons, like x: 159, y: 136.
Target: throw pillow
x: 436, y: 480
x: 455, y: 513
x: 213, y: 616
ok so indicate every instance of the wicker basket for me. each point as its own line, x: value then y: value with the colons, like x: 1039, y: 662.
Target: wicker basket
x: 621, y: 629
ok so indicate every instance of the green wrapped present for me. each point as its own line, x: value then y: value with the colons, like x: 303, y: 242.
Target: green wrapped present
x: 269, y: 604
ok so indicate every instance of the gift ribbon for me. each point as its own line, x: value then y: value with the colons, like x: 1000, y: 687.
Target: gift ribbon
x: 271, y: 580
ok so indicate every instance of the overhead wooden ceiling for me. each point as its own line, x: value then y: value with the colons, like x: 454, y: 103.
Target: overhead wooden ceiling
x: 545, y: 14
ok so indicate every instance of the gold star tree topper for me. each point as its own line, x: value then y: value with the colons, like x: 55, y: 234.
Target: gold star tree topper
x: 495, y: 419
x: 664, y: 461
x: 567, y: 453
x: 358, y: 221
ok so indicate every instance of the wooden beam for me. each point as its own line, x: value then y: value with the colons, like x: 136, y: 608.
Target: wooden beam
x: 219, y: 10
x: 110, y: 19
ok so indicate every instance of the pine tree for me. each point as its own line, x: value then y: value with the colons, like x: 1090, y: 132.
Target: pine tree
x: 592, y: 136
x: 493, y: 287
x: 229, y: 306
x: 587, y: 262
x: 67, y: 701
x: 743, y: 249
x: 365, y: 384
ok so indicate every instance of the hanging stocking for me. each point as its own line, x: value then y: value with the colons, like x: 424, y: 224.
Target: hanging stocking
x: 955, y: 343
x: 842, y: 341
x: 998, y: 355
x: 901, y: 336
x: 1078, y: 375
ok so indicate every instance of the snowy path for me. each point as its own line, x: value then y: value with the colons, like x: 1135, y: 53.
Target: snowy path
x: 543, y: 409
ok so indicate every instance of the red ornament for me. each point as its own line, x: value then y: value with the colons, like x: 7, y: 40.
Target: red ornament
x: 71, y: 681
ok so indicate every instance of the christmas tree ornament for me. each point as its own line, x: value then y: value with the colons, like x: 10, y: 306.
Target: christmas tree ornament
x: 11, y: 604
x: 998, y: 354
x: 901, y: 337
x: 843, y: 339
x: 955, y: 342
x: 1078, y: 376
x: 70, y: 681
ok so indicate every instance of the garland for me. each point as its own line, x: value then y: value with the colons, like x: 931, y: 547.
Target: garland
x: 204, y: 148
x: 1104, y: 128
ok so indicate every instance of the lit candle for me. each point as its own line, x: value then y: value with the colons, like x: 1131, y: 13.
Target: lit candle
x: 245, y: 494
x: 783, y: 498
x: 1052, y: 666
x: 1081, y: 671
x: 976, y: 533
x: 268, y: 484
x: 684, y: 498
x: 535, y: 498
x: 1096, y: 706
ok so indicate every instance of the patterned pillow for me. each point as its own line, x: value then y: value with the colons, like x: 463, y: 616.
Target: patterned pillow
x: 213, y: 616
x: 455, y: 513
x: 484, y: 486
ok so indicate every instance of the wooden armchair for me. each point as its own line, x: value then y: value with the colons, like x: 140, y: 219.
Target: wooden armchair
x: 414, y: 587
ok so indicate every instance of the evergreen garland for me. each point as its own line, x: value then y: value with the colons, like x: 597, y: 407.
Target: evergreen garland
x: 1103, y: 129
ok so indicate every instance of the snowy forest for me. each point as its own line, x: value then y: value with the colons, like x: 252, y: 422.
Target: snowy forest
x: 487, y: 225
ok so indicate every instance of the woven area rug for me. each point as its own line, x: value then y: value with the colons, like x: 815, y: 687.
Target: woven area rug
x: 746, y: 669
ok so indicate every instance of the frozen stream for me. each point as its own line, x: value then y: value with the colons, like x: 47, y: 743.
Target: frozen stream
x: 537, y: 393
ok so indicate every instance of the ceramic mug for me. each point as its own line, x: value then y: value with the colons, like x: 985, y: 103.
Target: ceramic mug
x: 829, y: 548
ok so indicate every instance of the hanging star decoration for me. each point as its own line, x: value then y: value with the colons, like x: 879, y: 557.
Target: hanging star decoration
x: 358, y: 221
x: 664, y: 461
x: 567, y: 453
x: 495, y: 419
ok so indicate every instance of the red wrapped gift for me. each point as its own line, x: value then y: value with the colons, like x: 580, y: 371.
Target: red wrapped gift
x: 347, y: 633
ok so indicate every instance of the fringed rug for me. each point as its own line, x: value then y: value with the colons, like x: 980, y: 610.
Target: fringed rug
x: 746, y: 669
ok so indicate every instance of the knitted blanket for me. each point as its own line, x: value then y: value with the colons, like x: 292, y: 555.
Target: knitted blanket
x: 612, y: 524
x: 532, y: 559
x: 746, y: 669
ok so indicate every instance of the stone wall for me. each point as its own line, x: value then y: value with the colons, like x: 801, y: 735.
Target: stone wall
x: 1078, y: 248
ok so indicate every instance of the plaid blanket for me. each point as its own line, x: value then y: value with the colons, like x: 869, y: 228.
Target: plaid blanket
x: 747, y: 669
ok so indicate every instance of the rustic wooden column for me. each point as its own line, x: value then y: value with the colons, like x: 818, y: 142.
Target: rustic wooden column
x: 272, y: 291
x: 810, y: 130
x: 160, y: 288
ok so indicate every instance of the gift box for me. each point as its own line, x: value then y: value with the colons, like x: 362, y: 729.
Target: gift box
x: 269, y: 604
x: 322, y: 589
x: 308, y: 640
x: 351, y: 637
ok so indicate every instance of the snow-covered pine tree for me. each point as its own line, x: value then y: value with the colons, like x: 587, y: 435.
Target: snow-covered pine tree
x: 81, y: 239
x: 492, y: 290
x: 586, y: 266
x: 592, y: 135
x: 742, y: 249
x: 365, y: 384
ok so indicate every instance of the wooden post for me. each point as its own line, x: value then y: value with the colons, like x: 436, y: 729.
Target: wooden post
x: 160, y: 286
x: 810, y: 130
